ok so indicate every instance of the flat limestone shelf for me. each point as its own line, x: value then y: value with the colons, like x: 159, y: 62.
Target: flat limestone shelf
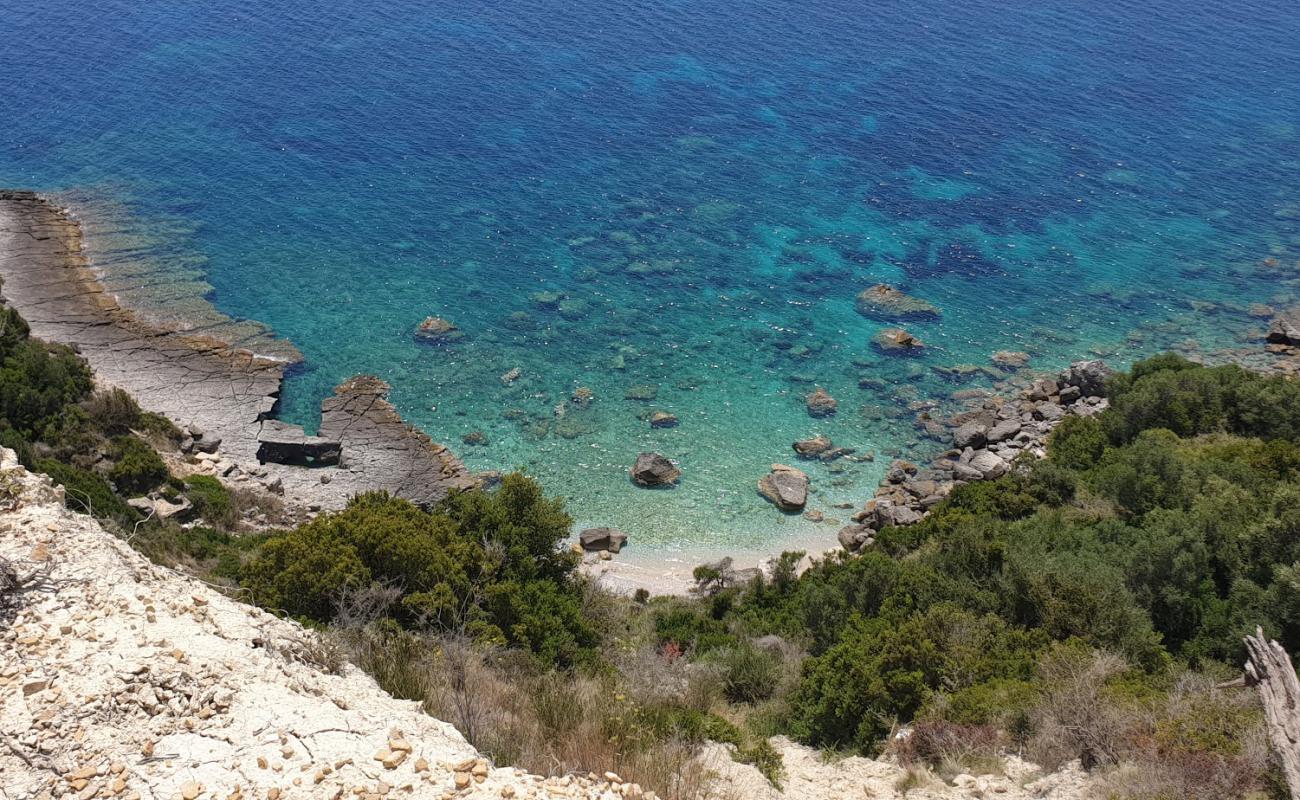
x: 193, y: 377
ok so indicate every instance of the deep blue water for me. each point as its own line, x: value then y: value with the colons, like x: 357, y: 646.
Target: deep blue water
x: 708, y: 183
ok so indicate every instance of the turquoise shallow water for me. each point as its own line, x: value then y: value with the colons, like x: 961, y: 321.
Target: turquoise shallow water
x: 706, y: 185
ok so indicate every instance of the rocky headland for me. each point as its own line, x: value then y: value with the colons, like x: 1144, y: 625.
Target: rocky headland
x: 218, y: 380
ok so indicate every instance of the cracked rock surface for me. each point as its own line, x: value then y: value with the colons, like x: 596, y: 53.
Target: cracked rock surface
x: 221, y: 376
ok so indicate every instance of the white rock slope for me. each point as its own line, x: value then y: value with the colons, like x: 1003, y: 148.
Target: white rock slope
x: 124, y: 679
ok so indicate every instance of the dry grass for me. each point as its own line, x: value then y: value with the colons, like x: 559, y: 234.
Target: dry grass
x: 950, y: 748
x: 1195, y: 743
x: 1076, y: 719
x: 544, y: 722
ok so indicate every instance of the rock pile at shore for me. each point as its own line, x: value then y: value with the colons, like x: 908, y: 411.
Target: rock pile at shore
x: 1285, y: 328
x: 987, y: 441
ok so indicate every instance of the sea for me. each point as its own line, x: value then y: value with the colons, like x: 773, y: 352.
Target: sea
x: 672, y: 206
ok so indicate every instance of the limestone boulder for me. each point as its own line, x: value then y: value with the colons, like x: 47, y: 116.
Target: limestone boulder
x: 785, y: 487
x: 820, y: 403
x: 896, y: 341
x: 653, y: 469
x: 1285, y: 328
x: 437, y: 330
x: 602, y: 539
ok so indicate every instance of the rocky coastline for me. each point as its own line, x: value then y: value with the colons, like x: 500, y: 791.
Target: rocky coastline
x: 211, y: 381
x: 987, y: 442
x: 219, y: 381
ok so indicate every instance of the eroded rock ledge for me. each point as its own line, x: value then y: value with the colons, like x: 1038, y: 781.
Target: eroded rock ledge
x: 223, y: 377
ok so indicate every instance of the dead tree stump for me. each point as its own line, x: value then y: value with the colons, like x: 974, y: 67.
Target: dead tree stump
x: 1269, y: 669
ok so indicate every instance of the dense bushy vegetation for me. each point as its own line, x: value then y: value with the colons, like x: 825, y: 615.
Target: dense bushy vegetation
x: 1131, y: 539
x: 100, y: 446
x: 1080, y: 607
x: 488, y: 564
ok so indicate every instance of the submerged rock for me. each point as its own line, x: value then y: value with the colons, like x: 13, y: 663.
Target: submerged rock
x: 546, y: 299
x: 883, y: 301
x: 1010, y: 358
x: 652, y: 469
x: 785, y: 487
x: 821, y: 404
x: 662, y: 419
x: 814, y: 447
x: 643, y: 393
x: 896, y: 341
x: 436, y: 330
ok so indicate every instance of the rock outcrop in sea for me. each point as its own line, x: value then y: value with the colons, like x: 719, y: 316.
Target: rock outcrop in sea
x: 785, y: 487
x: 896, y: 341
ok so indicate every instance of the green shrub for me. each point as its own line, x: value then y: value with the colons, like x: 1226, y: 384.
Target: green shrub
x: 665, y: 721
x: 882, y: 672
x: 763, y: 756
x: 488, y: 564
x: 86, y: 491
x: 70, y: 433
x: 1003, y: 702
x: 36, y: 382
x: 212, y: 500
x: 158, y: 425
x: 113, y: 411
x: 749, y: 673
x: 1077, y: 443
x: 137, y: 468
x: 1172, y: 393
x: 685, y: 627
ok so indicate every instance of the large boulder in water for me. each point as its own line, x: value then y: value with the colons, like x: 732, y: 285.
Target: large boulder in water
x: 1285, y: 328
x: 785, y: 487
x: 883, y: 301
x: 814, y: 447
x: 652, y: 469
